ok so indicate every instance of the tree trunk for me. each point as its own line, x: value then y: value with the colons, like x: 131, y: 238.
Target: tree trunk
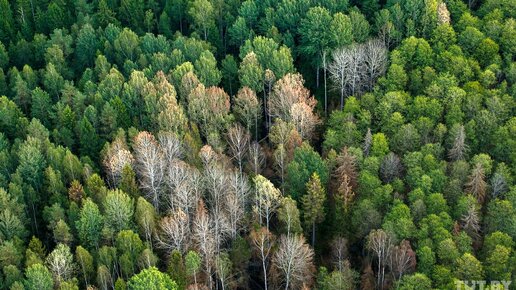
x: 264, y: 271
x: 313, y: 234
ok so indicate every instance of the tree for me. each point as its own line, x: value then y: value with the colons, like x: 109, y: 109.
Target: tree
x: 85, y: 264
x: 288, y: 91
x: 294, y: 261
x: 247, y: 109
x: 316, y: 39
x: 460, y: 148
x: 402, y: 260
x: 150, y: 166
x: 238, y: 141
x: 86, y: 47
x: 263, y: 240
x: 209, y: 107
x: 151, y: 279
x: 251, y: 73
x: 415, y: 281
x: 129, y: 248
x: 313, y: 203
x: 305, y: 162
x: 203, y: 16
x: 203, y: 235
x: 223, y: 267
x: 192, y: 264
x: 288, y: 215
x: 38, y: 277
x: 206, y: 68
x: 118, y: 211
x: 380, y: 244
x: 89, y: 225
x: 267, y: 198
x: 469, y: 268
x: 174, y: 232
x: 477, y: 185
x: 60, y: 262
x: 145, y: 216
x: 355, y: 68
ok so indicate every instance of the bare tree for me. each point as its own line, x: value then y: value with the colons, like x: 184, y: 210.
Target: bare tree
x: 286, y: 92
x: 294, y: 262
x: 346, y: 70
x: 280, y: 158
x: 236, y: 202
x: 116, y: 158
x: 346, y: 166
x: 375, y: 61
x: 470, y: 222
x: 174, y: 232
x: 460, y: 148
x: 248, y: 109
x: 402, y: 259
x: 477, y: 185
x: 256, y: 158
x: 391, y: 167
x: 238, y: 141
x: 205, y: 241
x: 339, y: 249
x: 357, y: 67
x: 60, y: 263
x: 263, y: 240
x: 304, y: 119
x: 150, y: 166
x: 171, y: 146
x: 380, y: 244
x: 368, y: 140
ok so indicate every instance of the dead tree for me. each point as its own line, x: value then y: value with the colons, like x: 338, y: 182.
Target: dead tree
x: 149, y: 166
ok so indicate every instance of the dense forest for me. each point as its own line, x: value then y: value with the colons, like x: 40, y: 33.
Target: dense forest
x: 257, y: 144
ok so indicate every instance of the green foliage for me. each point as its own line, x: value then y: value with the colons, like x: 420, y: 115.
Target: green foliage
x: 305, y: 162
x: 153, y: 279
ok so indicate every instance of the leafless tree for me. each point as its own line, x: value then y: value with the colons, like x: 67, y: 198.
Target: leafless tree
x: 477, y: 185
x: 60, y: 262
x: 248, y: 109
x: 443, y: 15
x: 256, y: 158
x: 471, y: 222
x: 346, y: 166
x: 346, y: 70
x: 174, y: 232
x: 236, y: 202
x: 368, y: 140
x: 356, y: 67
x: 116, y: 158
x: 204, y: 238
x: 238, y: 141
x: 286, y: 92
x: 280, y: 158
x: 390, y: 168
x: 402, y: 259
x: 263, y: 240
x: 304, y: 119
x: 294, y: 262
x: 498, y: 184
x: 339, y: 248
x: 460, y: 148
x: 380, y: 244
x: 171, y: 146
x: 375, y: 61
x: 150, y: 166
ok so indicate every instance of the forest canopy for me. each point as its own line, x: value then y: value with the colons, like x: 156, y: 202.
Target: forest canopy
x: 257, y: 144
